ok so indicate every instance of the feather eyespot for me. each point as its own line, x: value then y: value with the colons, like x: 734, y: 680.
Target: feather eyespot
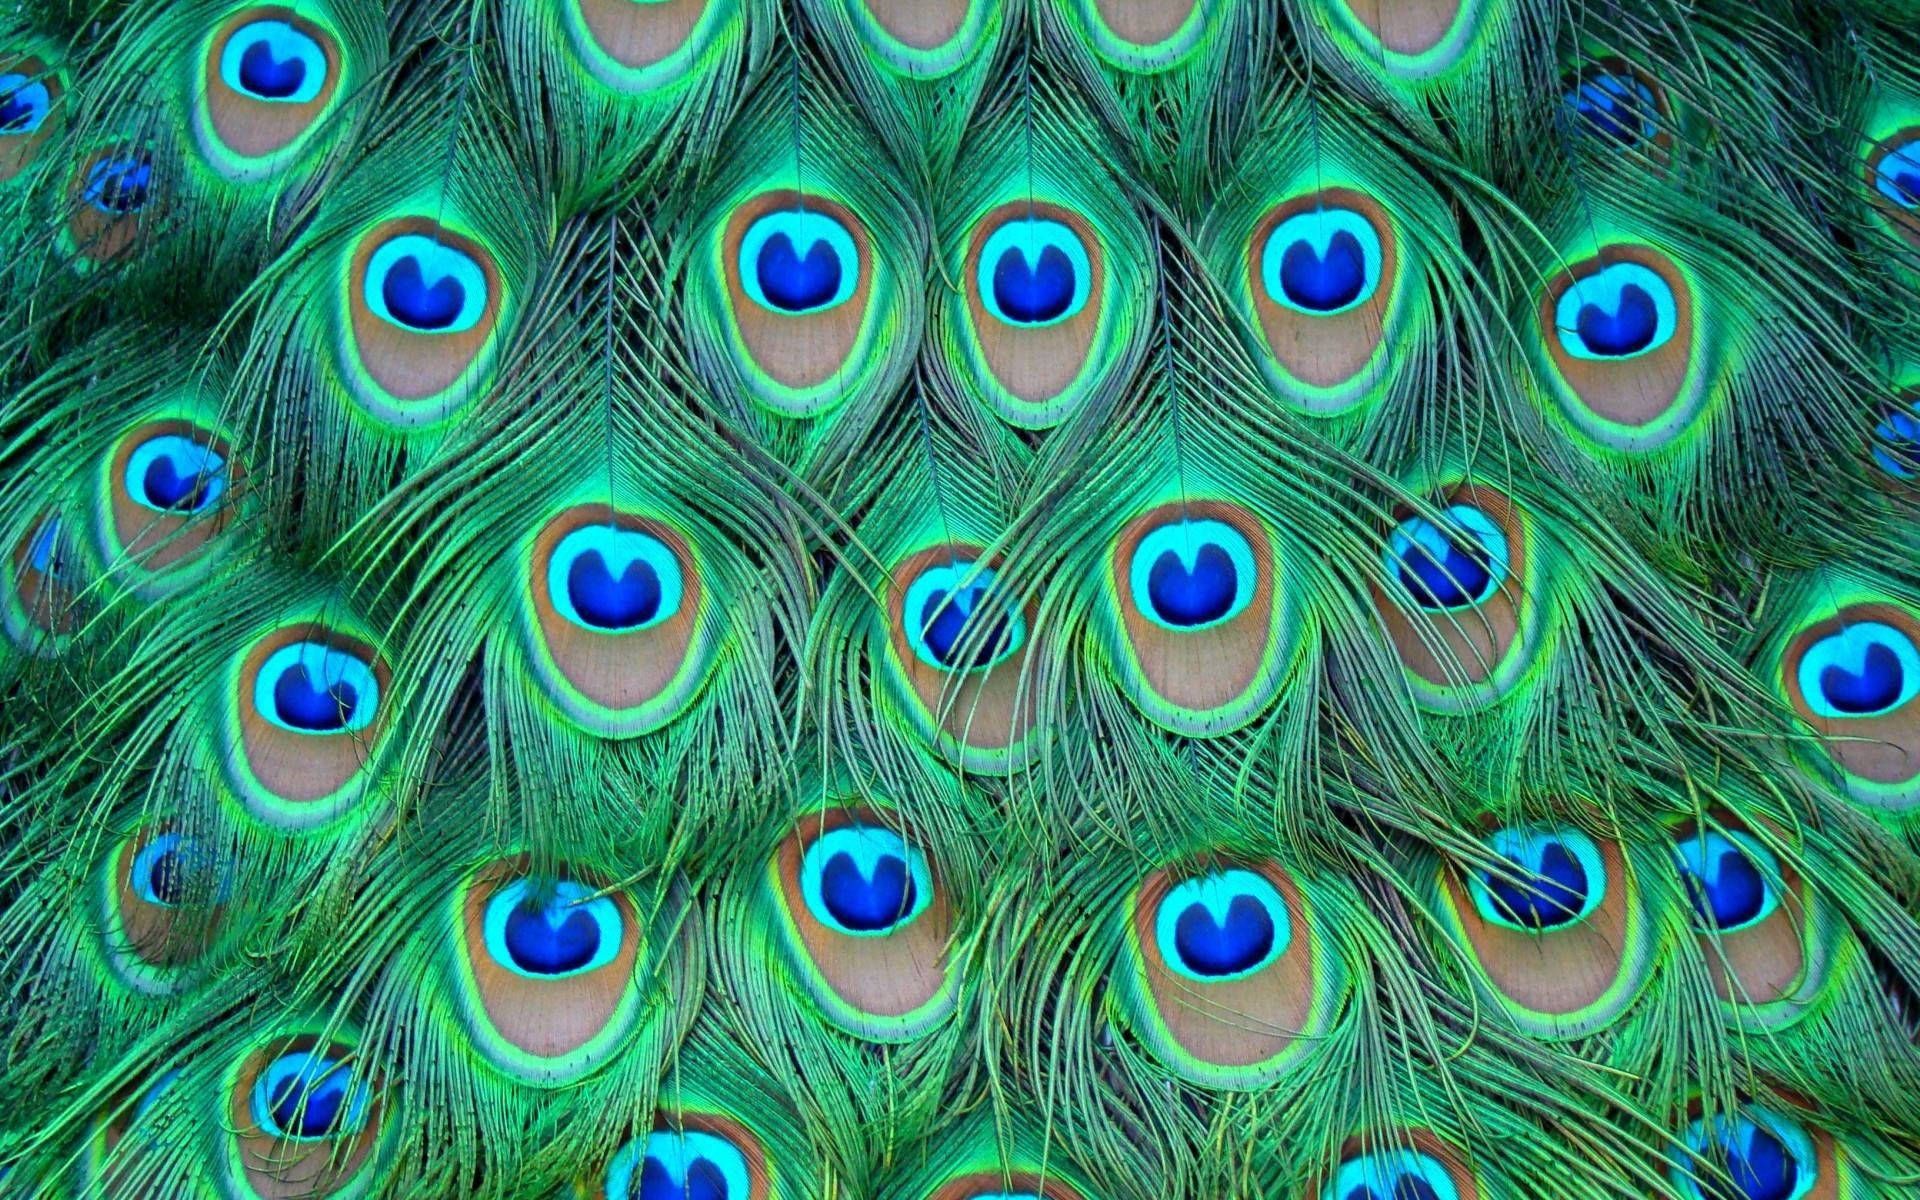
x: 1854, y: 677
x: 270, y: 76
x: 30, y: 94
x: 1200, y: 626
x: 959, y: 644
x: 1398, y: 1174
x: 422, y: 306
x: 1229, y: 977
x: 1620, y: 332
x: 1324, y: 275
x: 168, y: 494
x: 162, y: 893
x: 1894, y: 444
x: 680, y: 1165
x: 1456, y: 597
x: 1757, y: 925
x: 308, y: 716
x: 1553, y: 924
x: 43, y: 588
x: 305, y: 1117
x: 109, y: 191
x: 1036, y: 289
x: 1752, y: 1154
x: 1618, y: 106
x: 1893, y: 182
x: 866, y: 921
x: 643, y: 47
x: 798, y: 274
x: 545, y: 972
x: 615, y: 619
x: 1144, y: 35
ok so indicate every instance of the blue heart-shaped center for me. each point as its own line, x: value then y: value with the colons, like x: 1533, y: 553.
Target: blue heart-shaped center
x: 704, y: 1181
x: 166, y: 877
x: 119, y: 185
x: 268, y: 76
x: 1734, y: 896
x: 864, y: 904
x: 311, y: 1109
x: 1457, y: 577
x: 417, y: 305
x: 1540, y: 898
x: 551, y: 940
x: 1032, y: 294
x: 1607, y: 108
x: 793, y: 283
x: 1323, y: 281
x: 947, y: 616
x: 606, y: 602
x: 1905, y: 183
x: 1629, y: 329
x: 1405, y: 1187
x: 1763, y: 1169
x: 1211, y: 947
x: 1875, y: 688
x: 1187, y: 597
x: 167, y: 488
x: 18, y: 114
x: 315, y: 710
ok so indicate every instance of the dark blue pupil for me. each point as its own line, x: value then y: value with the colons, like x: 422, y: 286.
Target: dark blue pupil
x: 311, y: 1110
x: 1029, y: 294
x: 1610, y: 107
x: 166, y: 877
x: 417, y: 305
x: 1734, y: 897
x: 1874, y: 689
x: 1543, y: 899
x: 167, y: 488
x: 1906, y: 182
x: 605, y: 601
x: 793, y: 283
x: 1763, y: 1169
x: 1212, y: 948
x: 1457, y: 577
x: 267, y: 76
x: 119, y: 185
x: 1629, y: 329
x: 865, y: 904
x: 551, y: 941
x: 1185, y: 598
x: 1898, y: 436
x: 1405, y: 1187
x: 315, y: 710
x: 951, y: 637
x: 704, y: 1181
x: 1324, y: 282
x: 17, y: 113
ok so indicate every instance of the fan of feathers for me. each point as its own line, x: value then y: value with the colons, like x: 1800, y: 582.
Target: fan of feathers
x: 960, y: 599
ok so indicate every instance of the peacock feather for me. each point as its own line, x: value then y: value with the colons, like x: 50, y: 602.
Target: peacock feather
x: 960, y: 599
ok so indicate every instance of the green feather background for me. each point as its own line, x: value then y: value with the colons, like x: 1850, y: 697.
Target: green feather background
x: 960, y: 599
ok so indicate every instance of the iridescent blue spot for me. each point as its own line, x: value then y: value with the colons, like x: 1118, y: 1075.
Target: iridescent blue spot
x: 1628, y: 329
x: 1325, y: 280
x: 1864, y: 669
x: 1452, y: 565
x: 416, y: 302
x: 316, y: 709
x: 264, y: 73
x: 308, y: 1094
x: 1896, y: 443
x: 170, y: 473
x: 1212, y: 947
x: 1761, y: 1169
x: 1618, y: 108
x: 1726, y: 879
x: 797, y: 282
x: 863, y: 902
x: 118, y: 186
x: 1185, y: 597
x: 1874, y: 688
x: 703, y: 1181
x: 1404, y: 1187
x: 1753, y: 1155
x: 609, y: 602
x: 1033, y: 294
x: 1898, y: 176
x: 1544, y: 897
x: 24, y: 103
x: 951, y: 635
x: 311, y: 687
x: 551, y: 939
x: 1392, y: 1175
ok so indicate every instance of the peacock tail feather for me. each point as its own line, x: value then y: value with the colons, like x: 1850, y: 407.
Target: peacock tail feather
x: 960, y: 599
